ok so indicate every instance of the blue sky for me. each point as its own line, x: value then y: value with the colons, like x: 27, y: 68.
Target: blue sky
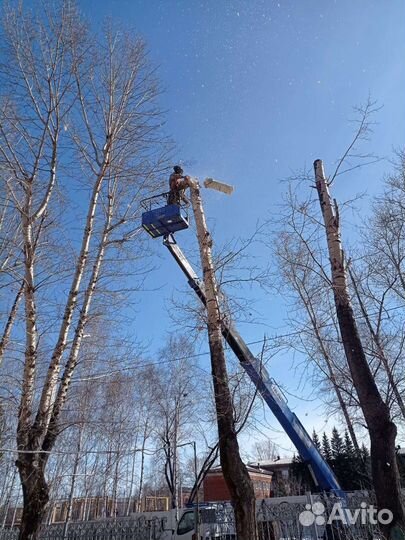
x: 254, y: 90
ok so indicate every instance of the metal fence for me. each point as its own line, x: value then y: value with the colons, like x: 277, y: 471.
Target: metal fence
x: 139, y: 528
x: 318, y: 517
x: 309, y: 517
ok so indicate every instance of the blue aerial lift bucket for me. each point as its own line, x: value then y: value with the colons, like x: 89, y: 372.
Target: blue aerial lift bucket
x: 160, y: 220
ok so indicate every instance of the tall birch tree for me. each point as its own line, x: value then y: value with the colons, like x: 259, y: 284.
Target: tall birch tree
x: 381, y: 428
x: 78, y: 111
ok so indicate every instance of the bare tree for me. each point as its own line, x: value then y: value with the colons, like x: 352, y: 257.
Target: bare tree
x: 382, y: 429
x: 385, y: 342
x: 265, y: 450
x: 177, y: 393
x: 300, y: 274
x: 379, y: 283
x: 74, y: 103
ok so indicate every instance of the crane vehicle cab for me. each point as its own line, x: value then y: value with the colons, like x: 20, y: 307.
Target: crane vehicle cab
x: 216, y: 522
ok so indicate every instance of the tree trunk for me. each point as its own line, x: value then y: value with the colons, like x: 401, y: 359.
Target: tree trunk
x: 35, y: 488
x: 140, y: 489
x: 382, y: 430
x: 35, y: 495
x: 205, y: 467
x: 175, y: 494
x: 10, y: 321
x: 234, y: 470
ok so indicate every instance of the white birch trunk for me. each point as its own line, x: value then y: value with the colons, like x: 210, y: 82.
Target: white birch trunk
x: 234, y: 471
x: 31, y: 338
x: 49, y: 437
x: 10, y: 321
x: 45, y: 405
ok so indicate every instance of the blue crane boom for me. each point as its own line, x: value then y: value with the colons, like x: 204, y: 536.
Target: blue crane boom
x: 322, y: 474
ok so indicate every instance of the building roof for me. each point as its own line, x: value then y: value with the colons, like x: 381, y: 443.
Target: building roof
x: 251, y: 467
x: 272, y: 464
x: 286, y: 462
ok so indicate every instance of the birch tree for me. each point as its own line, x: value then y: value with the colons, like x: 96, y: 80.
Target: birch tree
x: 382, y: 430
x: 234, y: 470
x: 74, y: 105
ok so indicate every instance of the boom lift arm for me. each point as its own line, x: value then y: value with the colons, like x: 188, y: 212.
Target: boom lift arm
x: 321, y: 472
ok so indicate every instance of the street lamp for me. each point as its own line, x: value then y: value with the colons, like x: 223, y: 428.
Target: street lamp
x: 196, y: 517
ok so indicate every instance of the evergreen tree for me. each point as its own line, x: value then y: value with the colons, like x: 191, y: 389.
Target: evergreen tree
x: 337, y: 445
x: 364, y: 469
x: 401, y: 465
x: 340, y: 464
x: 352, y: 469
x: 365, y: 454
x: 301, y: 476
x: 348, y: 447
x: 316, y: 441
x: 326, y: 449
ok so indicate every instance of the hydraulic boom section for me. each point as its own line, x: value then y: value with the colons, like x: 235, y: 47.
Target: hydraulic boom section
x: 270, y: 392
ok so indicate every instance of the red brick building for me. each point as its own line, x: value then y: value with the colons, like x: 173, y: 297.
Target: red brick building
x: 215, y: 488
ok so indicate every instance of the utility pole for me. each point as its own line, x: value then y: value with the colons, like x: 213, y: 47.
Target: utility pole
x: 197, y: 508
x: 175, y: 474
x: 234, y: 470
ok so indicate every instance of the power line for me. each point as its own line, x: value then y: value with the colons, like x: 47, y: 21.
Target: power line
x: 147, y: 451
x: 169, y: 361
x: 198, y: 355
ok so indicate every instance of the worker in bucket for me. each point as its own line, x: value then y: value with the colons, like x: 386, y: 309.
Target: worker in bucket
x: 178, y: 184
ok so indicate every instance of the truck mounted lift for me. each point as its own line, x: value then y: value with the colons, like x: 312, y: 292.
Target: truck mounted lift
x: 164, y: 221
